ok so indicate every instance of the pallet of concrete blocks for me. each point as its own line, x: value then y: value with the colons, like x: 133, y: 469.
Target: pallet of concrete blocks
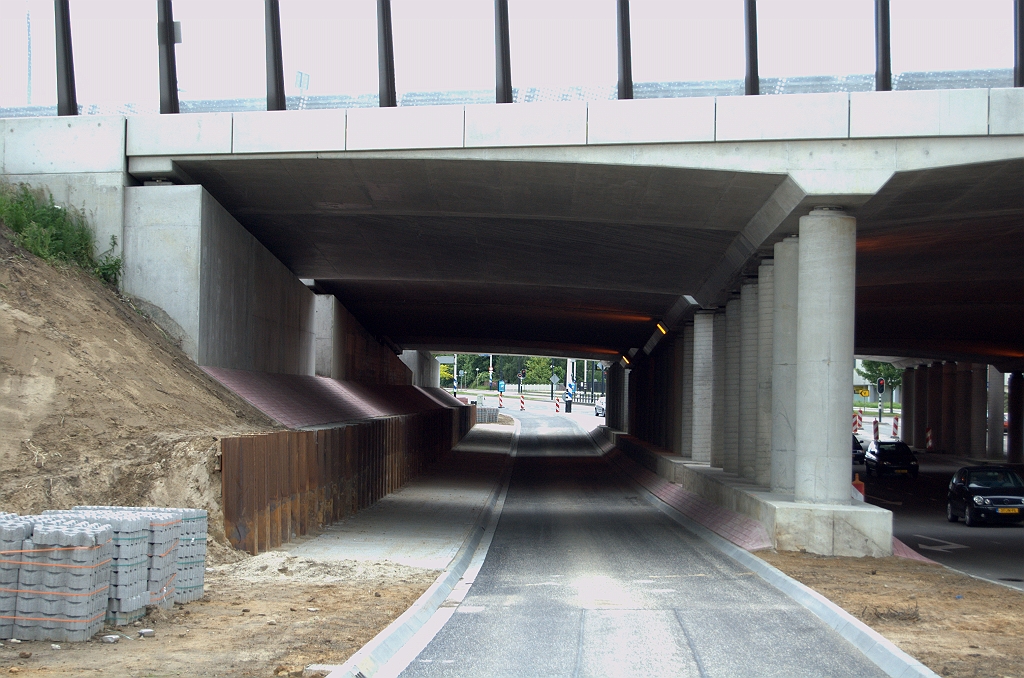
x: 191, y: 561
x: 63, y: 580
x: 129, y: 567
x: 14, y: 529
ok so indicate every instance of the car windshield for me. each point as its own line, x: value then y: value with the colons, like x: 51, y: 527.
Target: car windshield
x: 995, y: 479
x: 895, y: 451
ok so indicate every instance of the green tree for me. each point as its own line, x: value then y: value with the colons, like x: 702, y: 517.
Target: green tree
x: 539, y: 370
x: 447, y: 380
x: 873, y: 370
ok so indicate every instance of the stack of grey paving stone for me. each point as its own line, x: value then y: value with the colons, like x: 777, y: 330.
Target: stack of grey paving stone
x: 63, y: 572
x: 161, y: 550
x: 14, y: 529
x: 129, y: 592
x: 190, y: 562
x: 63, y: 579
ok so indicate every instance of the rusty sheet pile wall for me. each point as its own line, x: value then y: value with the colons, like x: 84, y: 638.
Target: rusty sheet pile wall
x: 280, y: 485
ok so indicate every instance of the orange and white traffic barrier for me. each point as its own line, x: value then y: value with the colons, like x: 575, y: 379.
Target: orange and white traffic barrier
x: 854, y: 422
x: 928, y: 444
x: 522, y: 403
x: 501, y: 403
x: 896, y: 427
x: 874, y: 427
x: 860, y: 419
x: 558, y: 405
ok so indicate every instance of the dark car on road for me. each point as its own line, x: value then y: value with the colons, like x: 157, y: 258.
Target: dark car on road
x: 985, y: 495
x: 889, y: 457
x: 858, y: 451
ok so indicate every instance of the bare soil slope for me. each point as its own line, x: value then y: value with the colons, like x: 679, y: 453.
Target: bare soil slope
x: 97, y: 405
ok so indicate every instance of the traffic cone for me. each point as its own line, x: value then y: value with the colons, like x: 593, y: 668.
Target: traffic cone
x: 858, y: 484
x: 501, y: 403
x: 558, y: 404
x: 896, y: 427
x: 522, y: 403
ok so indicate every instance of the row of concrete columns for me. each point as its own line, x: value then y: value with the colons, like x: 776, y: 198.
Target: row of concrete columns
x: 958, y: 408
x: 763, y: 387
x: 767, y: 381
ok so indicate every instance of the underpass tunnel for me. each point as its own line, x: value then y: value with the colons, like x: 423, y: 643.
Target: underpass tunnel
x: 668, y: 276
x: 728, y: 281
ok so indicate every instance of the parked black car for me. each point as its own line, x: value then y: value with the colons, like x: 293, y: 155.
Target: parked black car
x: 889, y: 457
x: 858, y: 451
x: 985, y: 495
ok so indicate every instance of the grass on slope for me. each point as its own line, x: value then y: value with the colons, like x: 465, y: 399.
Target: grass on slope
x: 54, y: 233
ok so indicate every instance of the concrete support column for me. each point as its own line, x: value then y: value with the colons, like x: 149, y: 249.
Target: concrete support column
x: 935, y: 403
x: 686, y: 420
x: 703, y: 384
x: 1015, y: 410
x: 920, y: 404
x: 907, y: 407
x: 827, y: 271
x: 748, y: 380
x: 731, y: 428
x: 718, y: 398
x: 962, y: 410
x: 765, y: 330
x: 677, y: 394
x: 948, y: 407
x: 979, y: 409
x: 996, y: 401
x: 787, y: 255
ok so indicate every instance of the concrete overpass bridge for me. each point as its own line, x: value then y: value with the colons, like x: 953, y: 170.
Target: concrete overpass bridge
x: 680, y: 240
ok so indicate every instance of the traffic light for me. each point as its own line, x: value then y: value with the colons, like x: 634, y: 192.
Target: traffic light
x: 881, y: 386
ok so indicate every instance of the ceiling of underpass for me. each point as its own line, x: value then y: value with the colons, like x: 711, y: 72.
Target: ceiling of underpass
x: 582, y: 259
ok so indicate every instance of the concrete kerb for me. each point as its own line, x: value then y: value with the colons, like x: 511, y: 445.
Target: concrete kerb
x: 894, y: 661
x: 373, y: 656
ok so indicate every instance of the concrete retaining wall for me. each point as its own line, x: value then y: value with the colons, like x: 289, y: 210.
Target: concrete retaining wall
x: 80, y: 160
x: 426, y: 371
x: 213, y: 286
x: 346, y: 351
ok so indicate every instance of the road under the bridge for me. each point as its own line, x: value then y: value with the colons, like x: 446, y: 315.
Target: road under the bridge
x: 584, y: 578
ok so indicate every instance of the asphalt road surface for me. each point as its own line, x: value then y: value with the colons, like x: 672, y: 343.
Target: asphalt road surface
x: 919, y: 520
x: 584, y: 578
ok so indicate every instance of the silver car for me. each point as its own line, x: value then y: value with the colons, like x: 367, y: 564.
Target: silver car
x: 599, y: 407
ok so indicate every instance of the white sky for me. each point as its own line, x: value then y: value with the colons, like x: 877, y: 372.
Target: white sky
x: 448, y: 44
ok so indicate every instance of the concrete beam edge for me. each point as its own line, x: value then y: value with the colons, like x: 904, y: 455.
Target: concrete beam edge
x: 882, y: 652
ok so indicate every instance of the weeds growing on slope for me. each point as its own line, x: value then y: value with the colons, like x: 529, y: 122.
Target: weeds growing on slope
x: 54, y: 233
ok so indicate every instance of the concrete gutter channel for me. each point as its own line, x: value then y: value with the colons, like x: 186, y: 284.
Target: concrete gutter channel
x: 394, y: 648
